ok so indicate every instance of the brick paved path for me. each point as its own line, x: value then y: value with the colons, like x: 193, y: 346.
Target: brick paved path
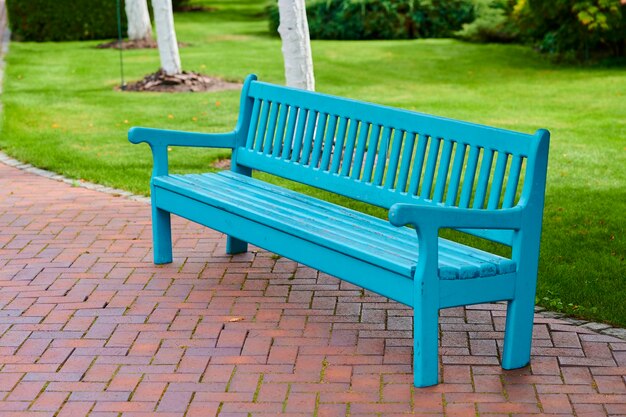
x: 89, y: 326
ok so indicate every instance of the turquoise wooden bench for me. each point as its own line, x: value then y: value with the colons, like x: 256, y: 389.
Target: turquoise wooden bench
x: 430, y: 172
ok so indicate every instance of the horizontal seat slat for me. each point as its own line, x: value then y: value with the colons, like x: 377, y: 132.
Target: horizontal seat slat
x: 345, y: 226
x: 271, y: 215
x: 400, y: 234
x: 361, y: 235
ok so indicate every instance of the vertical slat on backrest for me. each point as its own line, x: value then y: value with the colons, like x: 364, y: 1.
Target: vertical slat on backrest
x: 341, y: 136
x: 328, y: 143
x: 349, y: 151
x: 260, y: 132
x: 431, y: 165
x: 455, y: 175
x: 405, y: 165
x: 513, y: 181
x: 319, y: 138
x: 394, y: 158
x: 372, y: 150
x: 307, y: 142
x: 381, y: 159
x: 483, y: 179
x: 418, y: 163
x: 468, y: 178
x: 442, y: 172
x: 254, y: 121
x: 271, y: 127
x: 280, y: 130
x: 291, y: 127
x: 498, y: 179
x: 360, y: 150
x: 303, y: 115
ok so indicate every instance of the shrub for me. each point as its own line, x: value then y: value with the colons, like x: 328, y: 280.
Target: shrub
x: 441, y: 18
x: 382, y: 19
x: 582, y: 28
x: 493, y: 23
x: 63, y: 20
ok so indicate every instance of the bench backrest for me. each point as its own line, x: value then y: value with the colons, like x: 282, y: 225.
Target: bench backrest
x: 383, y: 155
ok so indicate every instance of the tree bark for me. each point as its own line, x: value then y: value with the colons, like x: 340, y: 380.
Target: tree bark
x: 166, y: 36
x: 139, y: 27
x: 294, y: 32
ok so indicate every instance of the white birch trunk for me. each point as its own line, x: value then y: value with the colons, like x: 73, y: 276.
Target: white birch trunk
x: 139, y: 26
x: 166, y: 36
x: 294, y: 32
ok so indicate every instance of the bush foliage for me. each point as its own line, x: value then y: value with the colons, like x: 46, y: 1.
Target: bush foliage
x: 382, y: 19
x: 63, y: 20
x: 493, y: 23
x: 579, y: 28
x: 570, y: 29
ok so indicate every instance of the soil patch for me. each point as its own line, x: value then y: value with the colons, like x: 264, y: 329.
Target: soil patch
x: 187, y: 81
x: 191, y: 8
x: 137, y: 44
x: 126, y: 44
x: 221, y: 164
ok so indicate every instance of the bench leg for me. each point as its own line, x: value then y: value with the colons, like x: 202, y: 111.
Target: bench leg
x: 235, y: 246
x: 425, y: 346
x: 518, y: 333
x: 161, y: 236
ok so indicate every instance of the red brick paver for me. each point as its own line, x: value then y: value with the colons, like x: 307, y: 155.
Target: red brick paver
x: 89, y: 326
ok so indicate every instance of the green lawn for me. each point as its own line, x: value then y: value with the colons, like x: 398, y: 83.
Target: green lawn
x: 61, y: 112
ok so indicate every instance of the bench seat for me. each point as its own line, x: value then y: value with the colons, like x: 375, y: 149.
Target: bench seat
x: 351, y: 232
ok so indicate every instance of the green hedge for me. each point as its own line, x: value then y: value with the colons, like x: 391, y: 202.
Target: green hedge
x: 382, y: 19
x: 64, y: 20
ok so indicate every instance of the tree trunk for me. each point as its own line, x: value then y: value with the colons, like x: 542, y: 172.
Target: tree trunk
x: 166, y: 36
x: 294, y: 31
x: 139, y: 27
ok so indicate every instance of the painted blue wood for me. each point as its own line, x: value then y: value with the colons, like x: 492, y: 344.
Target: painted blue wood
x: 303, y: 115
x: 381, y: 157
x: 418, y: 164
x: 372, y: 152
x: 262, y: 127
x: 364, y: 130
x: 483, y: 179
x: 307, y: 143
x: 407, y: 156
x: 455, y: 175
x: 394, y: 159
x: 322, y: 121
x: 338, y: 148
x: 420, y: 167
x: 291, y: 126
x: 349, y: 150
x: 280, y: 131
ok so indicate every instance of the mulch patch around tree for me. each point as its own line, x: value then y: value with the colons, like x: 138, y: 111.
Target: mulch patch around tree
x: 126, y: 44
x: 221, y: 164
x: 192, y: 8
x: 187, y: 81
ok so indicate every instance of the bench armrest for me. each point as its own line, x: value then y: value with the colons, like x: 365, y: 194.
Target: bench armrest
x: 160, y: 139
x: 429, y: 219
x: 453, y: 217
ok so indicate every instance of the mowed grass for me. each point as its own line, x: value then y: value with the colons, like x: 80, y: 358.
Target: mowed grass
x: 63, y: 113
